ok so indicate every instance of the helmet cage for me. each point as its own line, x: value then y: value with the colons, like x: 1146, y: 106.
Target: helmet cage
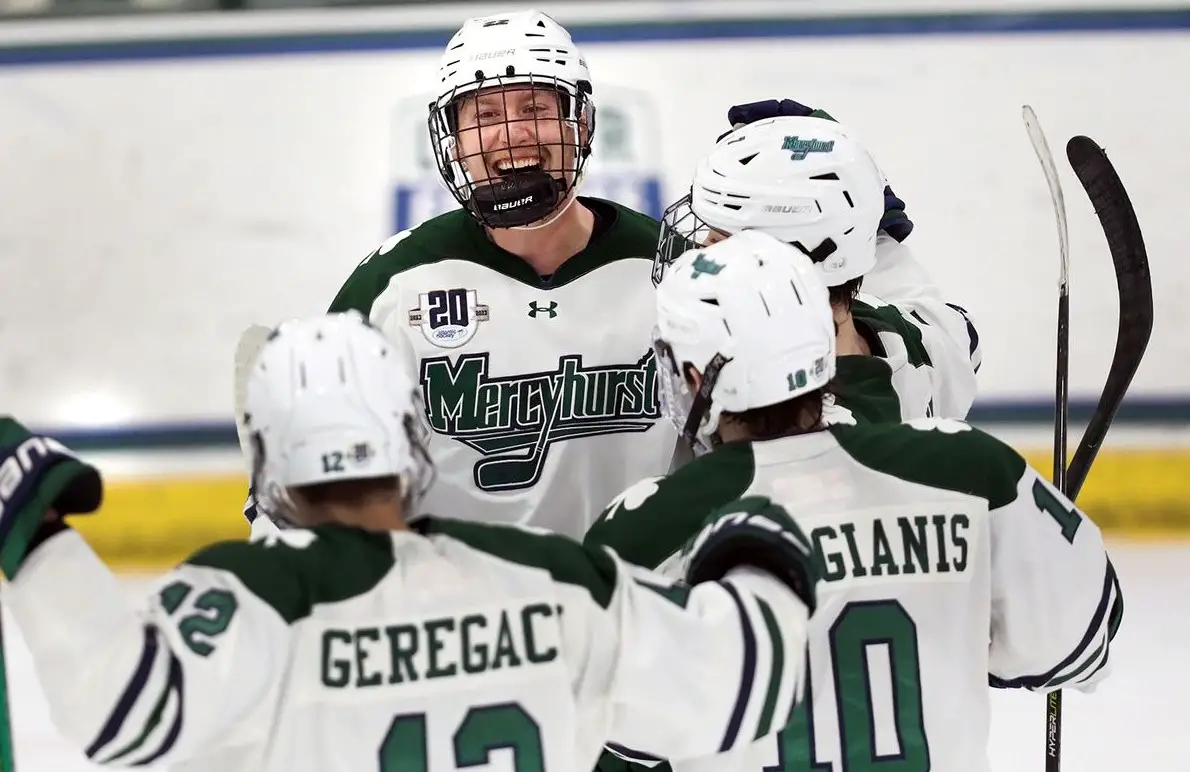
x: 518, y: 195
x: 681, y: 231
x: 692, y: 413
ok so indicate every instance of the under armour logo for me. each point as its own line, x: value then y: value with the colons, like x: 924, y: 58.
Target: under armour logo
x: 551, y: 309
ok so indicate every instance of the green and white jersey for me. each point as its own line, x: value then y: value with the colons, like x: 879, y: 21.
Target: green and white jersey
x: 339, y: 650
x: 947, y: 563
x: 541, y: 393
x: 925, y: 351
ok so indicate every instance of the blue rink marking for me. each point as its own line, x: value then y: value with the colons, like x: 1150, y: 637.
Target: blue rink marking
x: 274, y: 44
x: 1138, y: 411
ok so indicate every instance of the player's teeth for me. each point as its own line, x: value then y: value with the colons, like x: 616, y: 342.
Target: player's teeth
x: 518, y: 163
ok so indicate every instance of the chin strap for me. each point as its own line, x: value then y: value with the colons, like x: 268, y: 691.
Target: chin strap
x: 549, y: 220
x: 702, y: 399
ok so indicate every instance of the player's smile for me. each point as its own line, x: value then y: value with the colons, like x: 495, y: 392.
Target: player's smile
x: 510, y: 161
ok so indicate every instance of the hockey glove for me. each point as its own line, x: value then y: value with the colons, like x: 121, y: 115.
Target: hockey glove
x: 756, y: 532
x: 38, y: 474
x: 740, y: 115
x: 895, y: 222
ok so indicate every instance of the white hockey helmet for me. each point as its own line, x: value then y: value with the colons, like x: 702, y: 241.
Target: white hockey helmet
x: 331, y: 399
x: 754, y: 317
x: 521, y: 49
x: 806, y: 181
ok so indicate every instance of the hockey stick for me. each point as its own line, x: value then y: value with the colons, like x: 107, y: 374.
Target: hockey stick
x: 1135, y: 289
x: 1126, y: 244
x: 249, y: 346
x: 1053, y: 713
x: 1135, y: 292
x: 683, y: 454
x: 1062, y: 369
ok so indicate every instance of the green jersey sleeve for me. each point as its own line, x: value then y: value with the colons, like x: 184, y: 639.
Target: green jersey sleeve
x: 652, y: 519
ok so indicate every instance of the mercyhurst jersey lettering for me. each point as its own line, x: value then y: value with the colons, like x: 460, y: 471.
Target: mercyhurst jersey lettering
x: 541, y: 394
x: 339, y: 650
x: 925, y: 351
x: 948, y: 563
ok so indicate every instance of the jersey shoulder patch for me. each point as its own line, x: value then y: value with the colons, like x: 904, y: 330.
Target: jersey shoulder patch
x: 295, y: 569
x: 939, y: 452
x: 429, y: 242
x: 653, y: 518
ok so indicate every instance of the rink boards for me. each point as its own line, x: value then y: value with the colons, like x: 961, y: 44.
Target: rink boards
x: 161, y: 504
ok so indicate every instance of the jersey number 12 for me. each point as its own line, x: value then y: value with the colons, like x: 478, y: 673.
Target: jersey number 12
x: 483, y: 730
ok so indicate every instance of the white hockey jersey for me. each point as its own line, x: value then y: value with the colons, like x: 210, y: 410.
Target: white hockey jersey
x: 541, y: 393
x: 340, y: 650
x: 948, y: 563
x: 925, y: 351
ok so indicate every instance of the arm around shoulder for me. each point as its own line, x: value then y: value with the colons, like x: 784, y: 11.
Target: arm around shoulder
x: 731, y: 641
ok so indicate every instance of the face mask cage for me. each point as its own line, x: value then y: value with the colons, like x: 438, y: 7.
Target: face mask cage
x: 691, y: 412
x: 681, y: 231
x: 513, y: 149
x: 272, y: 500
x: 424, y: 473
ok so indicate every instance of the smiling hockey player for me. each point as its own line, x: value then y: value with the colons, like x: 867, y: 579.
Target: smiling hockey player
x: 530, y: 307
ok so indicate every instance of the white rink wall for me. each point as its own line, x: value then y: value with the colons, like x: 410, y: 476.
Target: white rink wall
x: 165, y: 182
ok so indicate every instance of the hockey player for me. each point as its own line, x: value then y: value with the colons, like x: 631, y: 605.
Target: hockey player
x: 361, y: 640
x: 947, y: 561
x: 903, y: 351
x: 530, y: 306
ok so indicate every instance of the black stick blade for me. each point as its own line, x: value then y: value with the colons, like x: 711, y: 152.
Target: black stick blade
x: 1127, y: 245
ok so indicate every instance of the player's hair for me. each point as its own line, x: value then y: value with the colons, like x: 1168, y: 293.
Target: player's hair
x: 843, y: 294
x: 348, y: 493
x: 799, y: 415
